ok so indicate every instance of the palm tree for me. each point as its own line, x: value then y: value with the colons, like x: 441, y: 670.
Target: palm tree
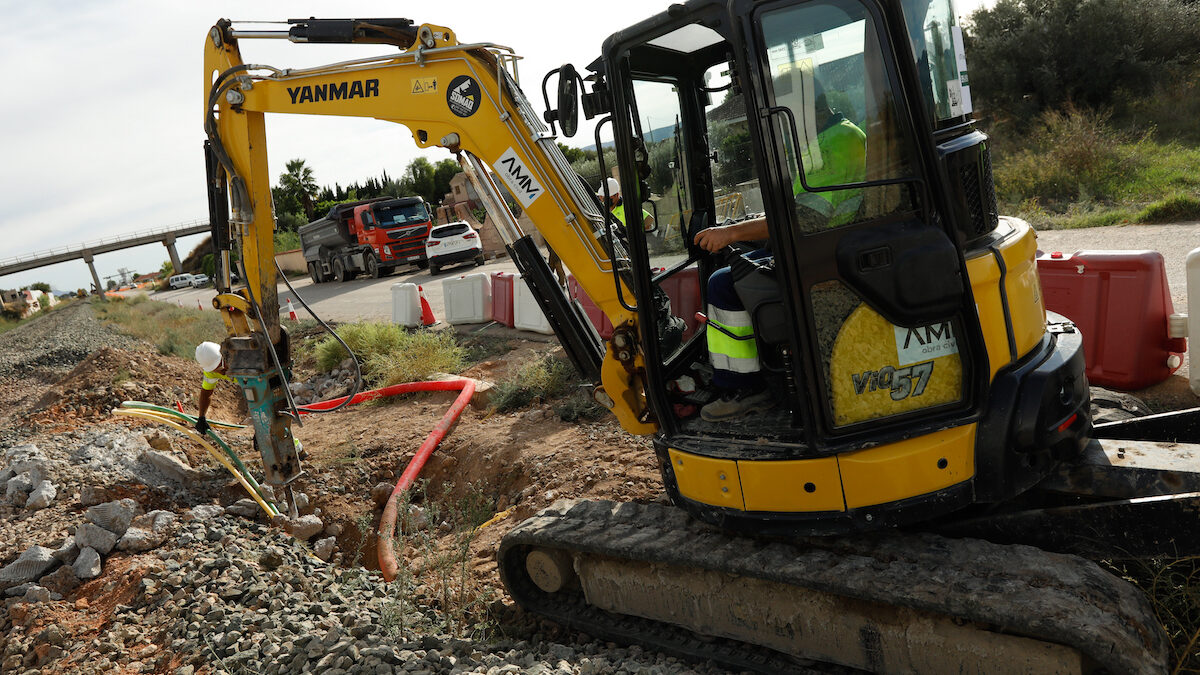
x: 299, y: 182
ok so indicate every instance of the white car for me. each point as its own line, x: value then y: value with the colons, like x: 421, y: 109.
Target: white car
x: 453, y: 243
x: 180, y: 281
x: 199, y: 280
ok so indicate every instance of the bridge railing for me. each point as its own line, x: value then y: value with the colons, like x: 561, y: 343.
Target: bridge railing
x: 77, y: 248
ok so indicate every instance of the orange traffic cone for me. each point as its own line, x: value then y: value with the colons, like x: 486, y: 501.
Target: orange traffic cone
x: 291, y: 311
x: 198, y: 305
x: 427, y: 317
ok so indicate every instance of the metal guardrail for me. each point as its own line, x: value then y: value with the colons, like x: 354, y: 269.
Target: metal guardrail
x: 79, y: 248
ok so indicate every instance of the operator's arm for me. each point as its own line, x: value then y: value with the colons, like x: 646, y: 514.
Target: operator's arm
x: 714, y: 239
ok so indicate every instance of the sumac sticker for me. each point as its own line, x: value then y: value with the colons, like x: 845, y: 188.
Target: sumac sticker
x: 463, y: 96
x: 902, y: 382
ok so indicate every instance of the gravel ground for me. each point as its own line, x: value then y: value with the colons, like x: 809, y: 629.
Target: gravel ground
x: 180, y: 585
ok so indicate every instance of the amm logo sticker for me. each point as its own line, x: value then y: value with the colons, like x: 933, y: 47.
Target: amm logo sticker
x: 463, y: 96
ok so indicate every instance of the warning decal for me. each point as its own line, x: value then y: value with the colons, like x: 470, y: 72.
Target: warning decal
x: 424, y: 85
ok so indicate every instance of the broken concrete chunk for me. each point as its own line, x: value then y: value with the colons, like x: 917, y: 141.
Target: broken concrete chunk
x: 158, y: 440
x: 114, y: 516
x: 31, y: 565
x: 41, y: 497
x: 22, y: 458
x: 67, y: 552
x: 157, y: 521
x: 324, y: 548
x: 88, y: 564
x: 37, y: 594
x: 205, y: 512
x: 304, y: 527
x: 138, y: 540
x: 246, y: 508
x: 17, y: 490
x: 171, y: 466
x: 88, y: 535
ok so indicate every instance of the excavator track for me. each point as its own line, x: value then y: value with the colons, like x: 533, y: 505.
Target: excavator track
x: 881, y: 602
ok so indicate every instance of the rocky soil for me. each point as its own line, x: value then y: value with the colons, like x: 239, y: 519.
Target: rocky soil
x: 123, y: 548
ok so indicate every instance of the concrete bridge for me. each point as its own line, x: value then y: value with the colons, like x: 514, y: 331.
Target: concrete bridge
x: 89, y: 250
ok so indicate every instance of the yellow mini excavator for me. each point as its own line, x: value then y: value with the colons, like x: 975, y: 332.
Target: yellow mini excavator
x: 928, y: 414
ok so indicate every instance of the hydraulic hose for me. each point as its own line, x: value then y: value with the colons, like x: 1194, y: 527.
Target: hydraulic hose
x: 245, y: 479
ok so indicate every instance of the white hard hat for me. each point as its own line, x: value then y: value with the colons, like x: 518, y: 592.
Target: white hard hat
x: 208, y: 355
x: 614, y: 188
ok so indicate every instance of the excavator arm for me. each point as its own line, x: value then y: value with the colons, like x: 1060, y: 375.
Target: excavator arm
x: 451, y: 95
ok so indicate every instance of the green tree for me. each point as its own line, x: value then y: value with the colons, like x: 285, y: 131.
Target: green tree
x: 297, y: 182
x: 575, y: 154
x: 168, y: 268
x: 40, y: 286
x: 111, y: 285
x: 1029, y: 55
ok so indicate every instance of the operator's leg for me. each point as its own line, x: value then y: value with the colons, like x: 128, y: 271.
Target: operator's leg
x: 733, y: 352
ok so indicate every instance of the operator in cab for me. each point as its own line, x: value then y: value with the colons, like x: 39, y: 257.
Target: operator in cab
x: 732, y: 349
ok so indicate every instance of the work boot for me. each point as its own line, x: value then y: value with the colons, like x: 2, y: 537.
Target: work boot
x: 737, y: 403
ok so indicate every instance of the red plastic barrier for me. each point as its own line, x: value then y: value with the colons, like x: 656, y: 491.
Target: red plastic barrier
x: 502, y: 298
x: 683, y: 288
x: 597, y: 317
x: 1120, y: 301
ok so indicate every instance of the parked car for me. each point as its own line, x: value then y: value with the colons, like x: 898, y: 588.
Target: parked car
x: 180, y: 281
x: 453, y: 243
x: 199, y: 280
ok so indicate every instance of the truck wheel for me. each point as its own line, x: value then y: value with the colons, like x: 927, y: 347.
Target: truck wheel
x: 339, y: 271
x: 373, y: 267
x: 314, y: 273
x: 479, y: 260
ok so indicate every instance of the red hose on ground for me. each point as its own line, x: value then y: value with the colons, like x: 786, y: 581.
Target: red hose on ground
x: 387, y: 522
x: 393, y: 390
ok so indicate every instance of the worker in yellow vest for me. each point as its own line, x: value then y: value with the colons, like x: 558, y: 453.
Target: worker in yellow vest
x: 617, y: 206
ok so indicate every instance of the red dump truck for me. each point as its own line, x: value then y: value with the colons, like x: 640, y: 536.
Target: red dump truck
x: 372, y: 236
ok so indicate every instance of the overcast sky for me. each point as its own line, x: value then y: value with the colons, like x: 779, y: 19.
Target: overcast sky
x: 101, y: 121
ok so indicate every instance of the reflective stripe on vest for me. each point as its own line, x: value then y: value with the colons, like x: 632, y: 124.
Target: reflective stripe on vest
x: 727, y: 353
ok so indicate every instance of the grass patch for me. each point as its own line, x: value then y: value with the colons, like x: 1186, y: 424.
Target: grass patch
x: 1076, y: 169
x: 1171, y: 210
x: 547, y: 380
x: 391, y: 354
x: 172, y: 329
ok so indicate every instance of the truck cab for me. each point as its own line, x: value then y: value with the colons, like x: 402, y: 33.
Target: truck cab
x: 372, y: 236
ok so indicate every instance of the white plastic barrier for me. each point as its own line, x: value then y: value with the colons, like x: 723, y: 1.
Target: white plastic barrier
x: 406, y: 305
x: 1193, y: 316
x: 468, y: 298
x: 527, y: 313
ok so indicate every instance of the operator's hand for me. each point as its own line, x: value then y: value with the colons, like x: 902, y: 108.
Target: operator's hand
x: 202, y: 425
x: 714, y: 239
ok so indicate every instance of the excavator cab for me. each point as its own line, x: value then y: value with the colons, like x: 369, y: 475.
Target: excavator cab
x: 890, y: 301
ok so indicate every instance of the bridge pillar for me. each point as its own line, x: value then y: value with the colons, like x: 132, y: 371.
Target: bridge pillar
x: 169, y: 242
x: 87, y: 258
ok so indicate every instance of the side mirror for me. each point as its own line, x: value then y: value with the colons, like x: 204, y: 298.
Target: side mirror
x: 568, y: 99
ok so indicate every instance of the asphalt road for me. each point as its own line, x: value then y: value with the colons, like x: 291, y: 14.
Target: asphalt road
x: 365, y: 298
x: 357, y: 299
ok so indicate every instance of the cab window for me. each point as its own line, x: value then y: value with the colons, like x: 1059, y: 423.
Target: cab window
x: 826, y: 71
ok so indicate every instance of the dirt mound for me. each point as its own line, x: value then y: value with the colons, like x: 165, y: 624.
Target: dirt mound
x: 105, y: 378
